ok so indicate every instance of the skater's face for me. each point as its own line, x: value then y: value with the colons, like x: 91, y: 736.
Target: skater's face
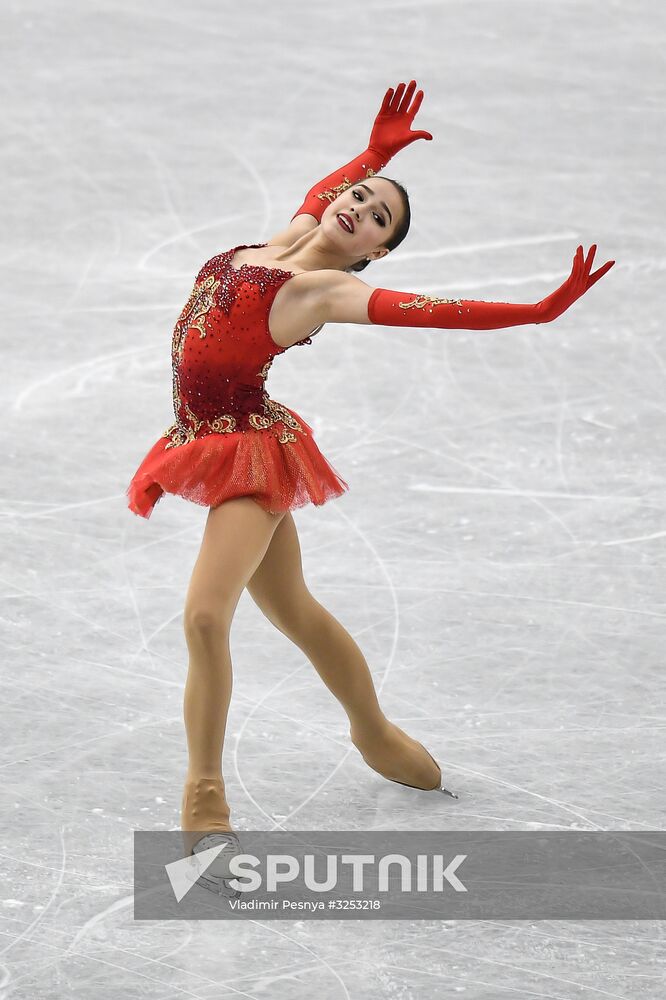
x: 375, y: 209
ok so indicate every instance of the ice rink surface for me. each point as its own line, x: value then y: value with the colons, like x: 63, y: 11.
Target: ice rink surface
x: 498, y: 557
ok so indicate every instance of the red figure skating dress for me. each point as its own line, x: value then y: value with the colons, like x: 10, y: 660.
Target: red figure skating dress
x: 229, y: 438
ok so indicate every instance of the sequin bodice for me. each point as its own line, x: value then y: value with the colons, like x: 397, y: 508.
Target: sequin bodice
x: 222, y: 351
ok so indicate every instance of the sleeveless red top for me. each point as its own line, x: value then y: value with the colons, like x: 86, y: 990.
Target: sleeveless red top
x: 229, y: 438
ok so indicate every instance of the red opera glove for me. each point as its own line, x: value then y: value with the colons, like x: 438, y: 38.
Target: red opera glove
x: 391, y: 308
x: 391, y: 132
x: 392, y: 129
x: 578, y: 282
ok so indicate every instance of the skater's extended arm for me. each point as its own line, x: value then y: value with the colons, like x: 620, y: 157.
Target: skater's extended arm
x: 390, y: 133
x: 346, y: 299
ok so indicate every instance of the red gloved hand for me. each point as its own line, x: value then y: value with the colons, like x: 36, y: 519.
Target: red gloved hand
x: 390, y: 133
x: 391, y: 308
x: 576, y: 285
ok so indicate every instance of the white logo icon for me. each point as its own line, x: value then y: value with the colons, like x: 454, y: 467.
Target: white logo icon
x: 184, y: 873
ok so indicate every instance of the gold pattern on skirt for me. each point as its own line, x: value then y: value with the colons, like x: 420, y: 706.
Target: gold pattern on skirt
x: 226, y: 424
x: 178, y: 435
x: 276, y: 411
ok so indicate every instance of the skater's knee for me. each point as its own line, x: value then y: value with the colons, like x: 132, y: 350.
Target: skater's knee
x: 205, y: 620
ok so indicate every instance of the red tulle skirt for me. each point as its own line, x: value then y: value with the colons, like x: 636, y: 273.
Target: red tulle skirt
x: 218, y: 467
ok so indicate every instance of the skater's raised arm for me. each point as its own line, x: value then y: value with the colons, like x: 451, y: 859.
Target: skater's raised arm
x: 390, y: 133
x: 346, y: 299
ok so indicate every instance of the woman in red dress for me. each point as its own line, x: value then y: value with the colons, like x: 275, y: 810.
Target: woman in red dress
x: 252, y: 460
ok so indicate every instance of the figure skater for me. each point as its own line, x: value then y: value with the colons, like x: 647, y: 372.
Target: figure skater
x: 252, y: 460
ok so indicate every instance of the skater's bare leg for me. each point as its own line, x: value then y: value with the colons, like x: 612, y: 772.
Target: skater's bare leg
x: 279, y: 589
x: 235, y: 539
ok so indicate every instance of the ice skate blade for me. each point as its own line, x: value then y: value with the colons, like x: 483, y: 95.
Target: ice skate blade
x: 437, y: 788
